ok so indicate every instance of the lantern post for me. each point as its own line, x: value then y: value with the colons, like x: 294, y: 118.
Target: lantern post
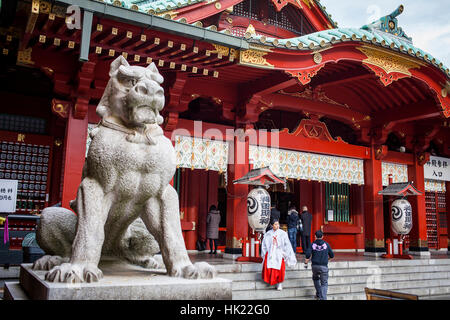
x: 401, y: 217
x: 258, y: 210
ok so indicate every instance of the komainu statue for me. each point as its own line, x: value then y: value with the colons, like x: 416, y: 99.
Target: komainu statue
x: 125, y: 204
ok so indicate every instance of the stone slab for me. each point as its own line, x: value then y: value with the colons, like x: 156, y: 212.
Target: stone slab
x: 13, y: 291
x: 123, y: 281
x: 9, y: 273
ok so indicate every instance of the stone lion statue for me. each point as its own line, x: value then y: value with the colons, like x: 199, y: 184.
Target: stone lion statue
x: 125, y: 204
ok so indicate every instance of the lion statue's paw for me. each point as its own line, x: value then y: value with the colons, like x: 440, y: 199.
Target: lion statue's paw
x: 48, y: 262
x: 148, y: 263
x: 74, y: 273
x: 199, y: 270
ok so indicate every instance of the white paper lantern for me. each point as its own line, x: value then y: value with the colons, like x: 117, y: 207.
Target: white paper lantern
x: 258, y: 209
x: 401, y: 215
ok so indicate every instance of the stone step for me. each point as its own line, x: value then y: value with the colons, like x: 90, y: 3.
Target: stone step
x: 13, y: 289
x: 356, y: 275
x: 423, y: 278
x: 354, y: 292
x: 368, y: 280
x: 254, y: 267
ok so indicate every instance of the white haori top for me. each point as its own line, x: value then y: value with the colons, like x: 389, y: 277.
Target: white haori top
x: 279, y: 247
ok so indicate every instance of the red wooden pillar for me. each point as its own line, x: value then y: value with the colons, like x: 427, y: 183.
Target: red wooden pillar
x: 74, y: 156
x: 202, y: 204
x: 237, y: 222
x: 318, y: 207
x: 183, y: 198
x: 356, y: 193
x: 192, y: 208
x: 418, y: 235
x: 373, y: 206
x: 213, y: 187
x: 447, y: 205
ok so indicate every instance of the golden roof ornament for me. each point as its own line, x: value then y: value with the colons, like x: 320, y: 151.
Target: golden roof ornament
x: 250, y: 31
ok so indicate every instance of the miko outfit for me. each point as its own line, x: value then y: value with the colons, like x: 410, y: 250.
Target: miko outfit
x: 320, y: 251
x: 276, y: 251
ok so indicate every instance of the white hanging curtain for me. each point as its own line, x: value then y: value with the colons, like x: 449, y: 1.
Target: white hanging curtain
x: 398, y: 171
x: 308, y: 166
x: 199, y: 153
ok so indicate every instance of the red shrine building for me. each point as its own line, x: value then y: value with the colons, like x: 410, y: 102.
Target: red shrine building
x: 266, y: 83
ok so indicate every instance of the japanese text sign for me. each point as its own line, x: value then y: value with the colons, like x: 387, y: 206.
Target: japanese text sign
x: 437, y: 168
x: 8, y: 195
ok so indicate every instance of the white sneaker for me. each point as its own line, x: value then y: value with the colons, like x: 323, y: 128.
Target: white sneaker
x: 279, y: 287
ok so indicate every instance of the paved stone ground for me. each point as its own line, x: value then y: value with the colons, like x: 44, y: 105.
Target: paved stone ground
x: 217, y: 259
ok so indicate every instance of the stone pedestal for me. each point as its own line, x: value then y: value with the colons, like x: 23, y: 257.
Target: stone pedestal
x: 122, y: 281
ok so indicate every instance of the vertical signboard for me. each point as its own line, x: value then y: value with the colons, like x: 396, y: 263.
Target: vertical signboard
x: 8, y: 195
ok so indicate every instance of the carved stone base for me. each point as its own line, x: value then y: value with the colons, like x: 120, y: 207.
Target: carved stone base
x: 123, y: 281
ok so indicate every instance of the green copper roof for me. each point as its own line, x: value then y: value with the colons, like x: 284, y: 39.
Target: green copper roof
x: 326, y: 38
x: 152, y: 6
x: 367, y: 34
x: 161, y: 6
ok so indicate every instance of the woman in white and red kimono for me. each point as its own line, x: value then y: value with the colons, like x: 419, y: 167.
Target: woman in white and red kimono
x: 276, y: 251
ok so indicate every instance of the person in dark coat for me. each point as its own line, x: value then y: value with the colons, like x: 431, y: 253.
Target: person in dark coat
x: 212, y: 228
x: 274, y: 216
x: 319, y: 254
x: 292, y: 222
x: 306, y: 218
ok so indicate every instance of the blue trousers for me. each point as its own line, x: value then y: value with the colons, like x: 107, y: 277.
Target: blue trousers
x: 320, y: 279
x: 292, y: 234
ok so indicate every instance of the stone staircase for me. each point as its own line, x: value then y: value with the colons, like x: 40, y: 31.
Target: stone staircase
x: 427, y: 278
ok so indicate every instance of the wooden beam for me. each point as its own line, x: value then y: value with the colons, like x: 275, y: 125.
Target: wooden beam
x: 270, y: 84
x: 317, y: 107
x: 412, y: 112
x: 31, y: 23
x: 356, y: 77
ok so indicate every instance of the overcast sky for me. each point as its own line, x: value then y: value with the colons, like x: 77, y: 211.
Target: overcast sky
x: 427, y: 22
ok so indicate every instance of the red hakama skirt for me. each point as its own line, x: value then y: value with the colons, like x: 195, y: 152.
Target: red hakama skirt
x: 273, y: 276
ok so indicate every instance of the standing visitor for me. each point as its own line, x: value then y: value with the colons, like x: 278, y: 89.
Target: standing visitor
x: 276, y: 251
x: 274, y: 216
x: 212, y: 228
x: 292, y: 224
x: 321, y: 252
x: 306, y: 218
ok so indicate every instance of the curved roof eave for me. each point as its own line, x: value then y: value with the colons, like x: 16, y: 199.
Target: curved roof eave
x: 163, y: 6
x: 323, y: 38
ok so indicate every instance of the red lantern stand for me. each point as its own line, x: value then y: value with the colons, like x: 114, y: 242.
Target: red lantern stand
x: 403, y: 190
x: 251, y: 244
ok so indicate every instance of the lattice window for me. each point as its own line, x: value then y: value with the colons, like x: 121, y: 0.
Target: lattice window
x: 337, y: 202
x: 280, y: 19
x: 238, y: 32
x: 25, y: 124
x: 246, y: 9
x: 431, y: 218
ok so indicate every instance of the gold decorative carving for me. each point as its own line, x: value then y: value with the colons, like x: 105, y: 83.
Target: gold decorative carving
x: 234, y: 54
x: 419, y: 243
x: 374, y: 243
x: 318, y: 95
x: 255, y: 58
x: 234, y: 243
x: 317, y: 58
x: 59, y: 11
x: 21, y: 137
x: 222, y: 50
x: 390, y: 63
x: 35, y: 6
x: 24, y: 57
x: 45, y: 7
